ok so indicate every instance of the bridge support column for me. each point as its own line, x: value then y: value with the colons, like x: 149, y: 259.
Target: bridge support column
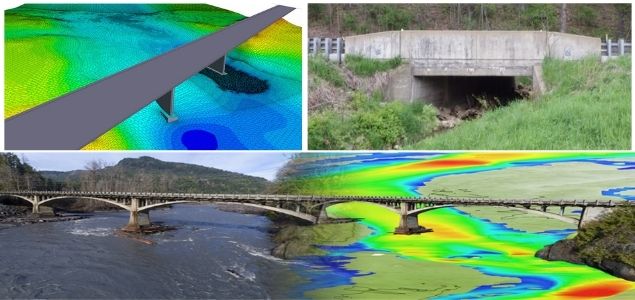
x: 137, y: 219
x: 36, y: 205
x: 218, y: 66
x: 166, y: 102
x: 323, y: 216
x: 408, y: 224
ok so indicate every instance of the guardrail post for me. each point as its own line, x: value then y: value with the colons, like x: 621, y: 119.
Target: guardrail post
x: 620, y: 46
x: 339, y: 50
x: 608, y: 47
x: 316, y: 45
x: 327, y: 47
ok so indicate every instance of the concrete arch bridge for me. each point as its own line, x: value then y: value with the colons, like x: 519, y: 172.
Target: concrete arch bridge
x: 308, y: 208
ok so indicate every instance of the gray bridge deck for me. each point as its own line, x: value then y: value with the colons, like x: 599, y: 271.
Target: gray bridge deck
x: 309, y: 208
x: 75, y: 119
x: 168, y: 197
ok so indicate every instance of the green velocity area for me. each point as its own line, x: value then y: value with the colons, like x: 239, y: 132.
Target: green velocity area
x: 588, y: 106
x: 572, y: 180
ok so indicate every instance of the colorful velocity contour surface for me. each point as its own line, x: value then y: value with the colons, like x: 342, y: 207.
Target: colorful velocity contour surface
x: 54, y: 49
x: 464, y: 257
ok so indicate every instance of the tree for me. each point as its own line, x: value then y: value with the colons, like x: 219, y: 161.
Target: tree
x: 563, y: 17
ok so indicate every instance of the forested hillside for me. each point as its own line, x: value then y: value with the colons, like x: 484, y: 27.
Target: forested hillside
x: 147, y: 174
x: 600, y: 20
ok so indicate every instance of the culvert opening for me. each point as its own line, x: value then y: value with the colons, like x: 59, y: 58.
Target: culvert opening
x: 466, y: 97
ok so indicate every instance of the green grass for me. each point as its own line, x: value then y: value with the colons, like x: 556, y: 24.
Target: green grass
x: 367, y: 67
x: 588, y: 107
x: 321, y: 68
x: 370, y: 123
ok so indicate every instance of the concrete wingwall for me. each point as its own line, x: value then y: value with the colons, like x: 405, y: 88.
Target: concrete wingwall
x: 530, y: 46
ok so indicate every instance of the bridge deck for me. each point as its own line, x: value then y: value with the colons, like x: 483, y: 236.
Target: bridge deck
x: 167, y: 197
x: 498, y: 67
x: 75, y: 119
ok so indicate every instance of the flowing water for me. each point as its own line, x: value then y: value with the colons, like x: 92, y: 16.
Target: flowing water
x: 211, y: 254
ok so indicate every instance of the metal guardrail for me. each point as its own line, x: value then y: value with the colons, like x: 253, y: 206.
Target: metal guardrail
x: 332, y: 48
x: 611, y: 48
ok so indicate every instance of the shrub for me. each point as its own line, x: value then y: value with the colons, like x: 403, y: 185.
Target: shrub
x: 372, y: 124
x: 366, y: 67
x: 327, y: 131
x: 321, y: 68
x: 377, y: 129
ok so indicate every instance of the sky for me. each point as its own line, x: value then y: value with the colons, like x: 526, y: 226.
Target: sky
x: 261, y: 164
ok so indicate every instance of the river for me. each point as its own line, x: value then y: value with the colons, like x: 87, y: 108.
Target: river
x: 212, y: 253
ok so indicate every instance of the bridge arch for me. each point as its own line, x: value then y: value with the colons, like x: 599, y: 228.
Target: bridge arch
x: 151, y: 206
x: 416, y: 212
x: 326, y: 204
x: 288, y: 212
x: 84, y: 197
x: 17, y: 197
x: 546, y: 214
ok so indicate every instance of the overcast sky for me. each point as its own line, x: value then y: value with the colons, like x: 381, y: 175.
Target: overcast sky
x: 262, y: 164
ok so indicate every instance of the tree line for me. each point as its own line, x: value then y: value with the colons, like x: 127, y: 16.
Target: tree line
x: 600, y: 20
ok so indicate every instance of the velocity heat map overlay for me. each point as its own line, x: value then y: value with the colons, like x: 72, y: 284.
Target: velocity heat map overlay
x: 464, y: 257
x: 54, y: 49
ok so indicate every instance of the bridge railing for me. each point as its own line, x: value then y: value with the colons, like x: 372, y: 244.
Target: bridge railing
x: 319, y: 198
x: 612, y: 48
x: 332, y: 48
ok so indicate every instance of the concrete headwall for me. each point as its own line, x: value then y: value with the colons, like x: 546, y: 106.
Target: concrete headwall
x: 517, y: 46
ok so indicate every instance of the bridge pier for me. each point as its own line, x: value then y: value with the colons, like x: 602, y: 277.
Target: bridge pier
x: 408, y: 224
x: 218, y: 66
x: 166, y: 102
x: 322, y: 216
x: 137, y: 219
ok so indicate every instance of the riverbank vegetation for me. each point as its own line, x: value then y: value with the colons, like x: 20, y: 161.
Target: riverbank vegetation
x: 597, y: 19
x: 588, y: 106
x: 144, y: 174
x: 607, y: 244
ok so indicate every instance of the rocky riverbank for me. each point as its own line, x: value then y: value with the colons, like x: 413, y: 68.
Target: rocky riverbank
x: 295, y: 238
x: 20, y: 215
x: 566, y: 250
x: 607, y: 244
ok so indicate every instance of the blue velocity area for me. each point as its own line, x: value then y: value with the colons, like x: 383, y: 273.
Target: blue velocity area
x: 527, y: 283
x: 325, y: 271
x: 199, y: 140
x: 619, y: 192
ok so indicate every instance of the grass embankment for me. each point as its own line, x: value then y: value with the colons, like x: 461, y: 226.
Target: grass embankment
x: 588, y: 107
x: 366, y: 120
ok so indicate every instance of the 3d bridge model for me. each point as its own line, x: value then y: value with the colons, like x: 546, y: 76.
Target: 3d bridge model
x: 73, y: 120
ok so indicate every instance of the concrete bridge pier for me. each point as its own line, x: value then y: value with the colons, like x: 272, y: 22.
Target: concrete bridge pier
x: 36, y: 205
x: 137, y: 219
x: 322, y: 216
x: 166, y: 102
x: 408, y: 224
x: 218, y: 66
